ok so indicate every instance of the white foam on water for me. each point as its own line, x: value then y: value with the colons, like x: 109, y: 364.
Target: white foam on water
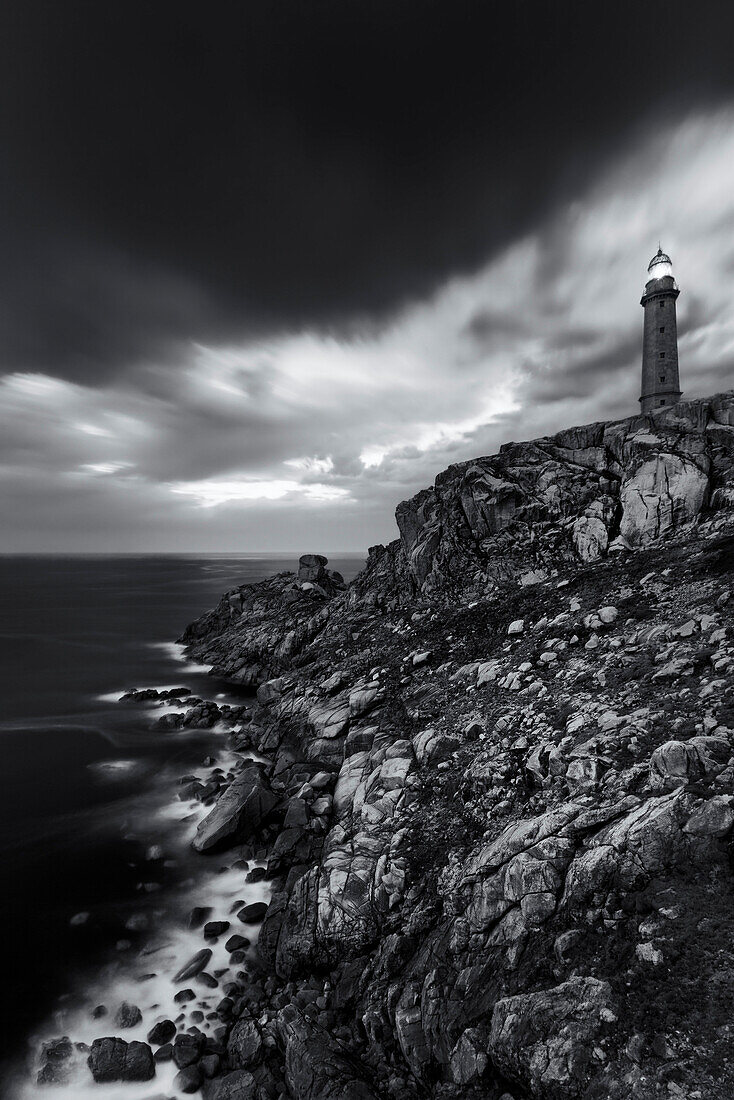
x: 111, y: 696
x: 117, y: 696
x: 145, y: 978
x: 177, y: 652
x: 167, y: 706
x: 116, y: 769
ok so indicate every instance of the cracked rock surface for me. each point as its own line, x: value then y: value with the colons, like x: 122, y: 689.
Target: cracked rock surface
x: 498, y: 788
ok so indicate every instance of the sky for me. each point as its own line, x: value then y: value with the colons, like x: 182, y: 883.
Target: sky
x: 266, y: 268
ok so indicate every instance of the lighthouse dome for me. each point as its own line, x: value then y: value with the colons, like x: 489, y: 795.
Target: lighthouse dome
x: 660, y: 265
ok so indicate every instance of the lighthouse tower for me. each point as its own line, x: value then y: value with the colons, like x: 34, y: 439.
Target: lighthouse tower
x: 660, y: 382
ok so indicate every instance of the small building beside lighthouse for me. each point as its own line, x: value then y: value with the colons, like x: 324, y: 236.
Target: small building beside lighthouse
x: 660, y: 381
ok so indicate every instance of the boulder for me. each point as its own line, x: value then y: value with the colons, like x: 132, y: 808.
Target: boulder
x: 215, y: 928
x: 676, y: 763
x: 187, y: 1048
x: 312, y: 568
x: 664, y: 492
x: 188, y: 1079
x: 316, y: 1066
x: 546, y: 1041
x: 714, y: 818
x: 112, y: 1059
x: 253, y: 913
x: 245, y: 1044
x: 238, y: 813
x: 161, y: 1033
x: 239, y: 1085
x: 590, y: 537
x: 128, y: 1015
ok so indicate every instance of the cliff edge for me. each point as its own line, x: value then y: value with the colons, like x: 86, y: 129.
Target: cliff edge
x: 499, y: 785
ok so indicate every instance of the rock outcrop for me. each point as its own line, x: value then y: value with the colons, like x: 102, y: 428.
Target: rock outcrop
x: 552, y: 1042
x: 536, y: 507
x: 498, y: 800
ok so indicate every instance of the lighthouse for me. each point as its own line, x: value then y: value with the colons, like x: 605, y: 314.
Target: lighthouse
x: 660, y: 382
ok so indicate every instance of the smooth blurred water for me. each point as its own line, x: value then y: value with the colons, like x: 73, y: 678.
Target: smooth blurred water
x: 84, y: 778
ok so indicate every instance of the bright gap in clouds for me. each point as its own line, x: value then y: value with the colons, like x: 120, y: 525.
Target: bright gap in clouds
x: 210, y: 493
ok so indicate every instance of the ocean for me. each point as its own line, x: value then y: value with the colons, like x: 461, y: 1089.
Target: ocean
x: 94, y: 846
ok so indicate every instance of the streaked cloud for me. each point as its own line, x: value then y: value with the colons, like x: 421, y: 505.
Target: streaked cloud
x: 309, y: 439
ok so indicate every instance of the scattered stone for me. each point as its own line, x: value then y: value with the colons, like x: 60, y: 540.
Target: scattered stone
x: 198, y: 916
x: 128, y: 1015
x: 237, y: 943
x: 253, y: 913
x: 216, y: 928
x: 161, y: 1032
x: 194, y: 966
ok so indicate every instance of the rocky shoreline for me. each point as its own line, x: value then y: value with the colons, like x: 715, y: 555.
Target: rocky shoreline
x: 491, y: 787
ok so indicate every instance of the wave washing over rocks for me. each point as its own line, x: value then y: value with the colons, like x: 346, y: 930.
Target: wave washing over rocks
x: 494, y: 796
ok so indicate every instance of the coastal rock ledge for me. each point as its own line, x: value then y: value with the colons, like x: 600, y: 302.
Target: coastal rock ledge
x: 496, y: 787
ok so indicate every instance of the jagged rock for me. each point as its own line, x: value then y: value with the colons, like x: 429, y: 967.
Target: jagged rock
x: 616, y: 482
x: 546, y: 1041
x: 628, y: 852
x: 239, y: 1085
x: 679, y: 762
x: 469, y: 1057
x: 244, y: 638
x: 439, y: 864
x: 270, y: 691
x: 55, y: 1057
x: 714, y: 818
x: 245, y: 1044
x: 664, y: 492
x: 113, y: 1059
x: 316, y: 1067
x: 239, y: 811
x: 364, y: 699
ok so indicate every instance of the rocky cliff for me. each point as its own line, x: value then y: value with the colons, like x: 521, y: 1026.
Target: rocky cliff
x: 499, y: 789
x: 537, y: 507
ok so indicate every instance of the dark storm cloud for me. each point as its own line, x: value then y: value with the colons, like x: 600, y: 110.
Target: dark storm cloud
x: 177, y: 172
x: 267, y: 268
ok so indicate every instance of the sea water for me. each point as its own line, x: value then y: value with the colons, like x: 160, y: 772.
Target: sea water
x: 96, y: 870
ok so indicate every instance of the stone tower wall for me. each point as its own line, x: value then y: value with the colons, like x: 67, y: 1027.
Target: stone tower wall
x: 660, y: 379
